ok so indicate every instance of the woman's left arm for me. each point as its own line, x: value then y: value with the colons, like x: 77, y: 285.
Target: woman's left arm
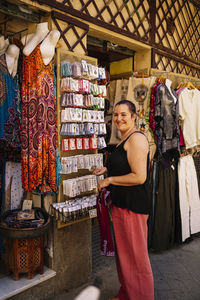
x: 137, y: 149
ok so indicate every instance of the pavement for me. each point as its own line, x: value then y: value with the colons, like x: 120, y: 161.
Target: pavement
x: 176, y: 274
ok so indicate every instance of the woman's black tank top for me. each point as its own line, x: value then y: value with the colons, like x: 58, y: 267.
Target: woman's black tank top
x: 136, y: 198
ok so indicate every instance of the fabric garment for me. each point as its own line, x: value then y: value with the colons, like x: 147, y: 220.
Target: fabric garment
x: 139, y: 92
x: 167, y: 122
x: 133, y: 265
x: 13, y: 186
x: 135, y: 198
x: 166, y: 230
x: 121, y: 90
x: 9, y: 110
x: 106, y: 244
x: 196, y: 159
x: 181, y: 138
x: 189, y: 108
x: 38, y: 134
x: 189, y: 197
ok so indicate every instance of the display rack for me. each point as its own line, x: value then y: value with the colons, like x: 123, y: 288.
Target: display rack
x: 64, y: 55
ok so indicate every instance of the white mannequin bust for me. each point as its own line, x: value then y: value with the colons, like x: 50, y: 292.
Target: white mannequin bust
x: 12, y: 55
x: 3, y: 44
x: 48, y: 45
x: 26, y: 38
x: 168, y: 83
x: 41, y: 32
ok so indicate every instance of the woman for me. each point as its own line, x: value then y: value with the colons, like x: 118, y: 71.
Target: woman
x: 127, y: 179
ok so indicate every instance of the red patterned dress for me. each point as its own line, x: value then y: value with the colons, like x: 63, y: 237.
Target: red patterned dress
x: 38, y: 125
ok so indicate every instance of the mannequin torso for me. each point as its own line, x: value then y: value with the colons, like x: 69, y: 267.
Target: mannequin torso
x: 48, y: 42
x: 12, y: 55
x: 47, y: 46
x: 3, y: 45
x: 26, y: 38
x: 41, y: 32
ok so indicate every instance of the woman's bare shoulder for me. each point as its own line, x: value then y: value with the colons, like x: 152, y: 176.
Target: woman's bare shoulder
x: 137, y: 139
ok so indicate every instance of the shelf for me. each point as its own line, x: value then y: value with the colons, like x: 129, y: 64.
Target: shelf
x: 63, y: 55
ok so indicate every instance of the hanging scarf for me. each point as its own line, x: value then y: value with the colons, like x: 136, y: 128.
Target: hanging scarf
x: 106, y: 244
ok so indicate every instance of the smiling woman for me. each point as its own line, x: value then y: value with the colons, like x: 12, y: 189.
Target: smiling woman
x: 128, y: 177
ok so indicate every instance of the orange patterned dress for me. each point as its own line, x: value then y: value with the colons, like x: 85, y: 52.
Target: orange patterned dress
x: 38, y: 125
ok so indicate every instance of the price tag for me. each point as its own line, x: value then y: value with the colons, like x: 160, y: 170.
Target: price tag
x: 93, y: 213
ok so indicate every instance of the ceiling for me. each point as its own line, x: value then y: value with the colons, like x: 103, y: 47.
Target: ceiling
x: 14, y: 18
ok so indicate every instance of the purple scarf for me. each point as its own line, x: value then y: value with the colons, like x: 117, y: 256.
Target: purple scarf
x: 106, y: 244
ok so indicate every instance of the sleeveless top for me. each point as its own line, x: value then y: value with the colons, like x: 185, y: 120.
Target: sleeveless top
x: 136, y: 198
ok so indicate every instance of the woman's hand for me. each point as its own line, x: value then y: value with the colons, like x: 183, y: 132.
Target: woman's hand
x: 99, y: 171
x: 103, y: 183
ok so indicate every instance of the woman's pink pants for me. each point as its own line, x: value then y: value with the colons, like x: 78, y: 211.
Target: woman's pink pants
x: 132, y: 259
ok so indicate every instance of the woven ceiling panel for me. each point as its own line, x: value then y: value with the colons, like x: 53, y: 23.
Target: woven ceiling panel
x: 169, y: 25
x: 177, y: 27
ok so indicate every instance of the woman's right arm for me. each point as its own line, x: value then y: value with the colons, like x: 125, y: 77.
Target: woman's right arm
x: 100, y: 171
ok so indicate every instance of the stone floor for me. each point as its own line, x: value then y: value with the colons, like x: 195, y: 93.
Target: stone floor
x: 176, y: 274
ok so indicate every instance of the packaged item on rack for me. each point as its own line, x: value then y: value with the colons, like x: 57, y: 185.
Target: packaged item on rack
x: 79, y: 114
x: 72, y: 144
x: 85, y: 116
x: 96, y: 128
x: 90, y: 72
x: 101, y: 143
x: 86, y: 162
x: 66, y: 69
x: 64, y: 115
x: 83, y: 86
x: 102, y: 91
x: 95, y: 72
x: 75, y: 85
x: 89, y: 128
x: 84, y: 67
x: 101, y: 116
x: 76, y: 69
x: 93, y: 142
x: 79, y: 143
x: 65, y: 144
x: 102, y: 103
x: 63, y: 101
x: 92, y: 161
x: 99, y: 160
x: 94, y: 89
x: 64, y: 86
x: 74, y: 161
x: 81, y: 129
x: 86, y: 143
x: 91, y: 116
x: 102, y: 73
x: 96, y: 116
x: 102, y: 128
x: 78, y: 100
x: 80, y: 161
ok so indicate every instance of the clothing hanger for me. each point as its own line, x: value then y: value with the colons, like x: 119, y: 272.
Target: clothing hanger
x: 161, y: 79
x: 181, y: 84
x: 190, y: 86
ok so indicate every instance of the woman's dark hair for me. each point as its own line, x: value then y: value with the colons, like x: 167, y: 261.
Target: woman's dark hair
x: 130, y: 105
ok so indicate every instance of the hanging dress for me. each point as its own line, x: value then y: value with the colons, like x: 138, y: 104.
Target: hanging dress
x: 10, y: 145
x: 38, y: 129
x: 9, y: 110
